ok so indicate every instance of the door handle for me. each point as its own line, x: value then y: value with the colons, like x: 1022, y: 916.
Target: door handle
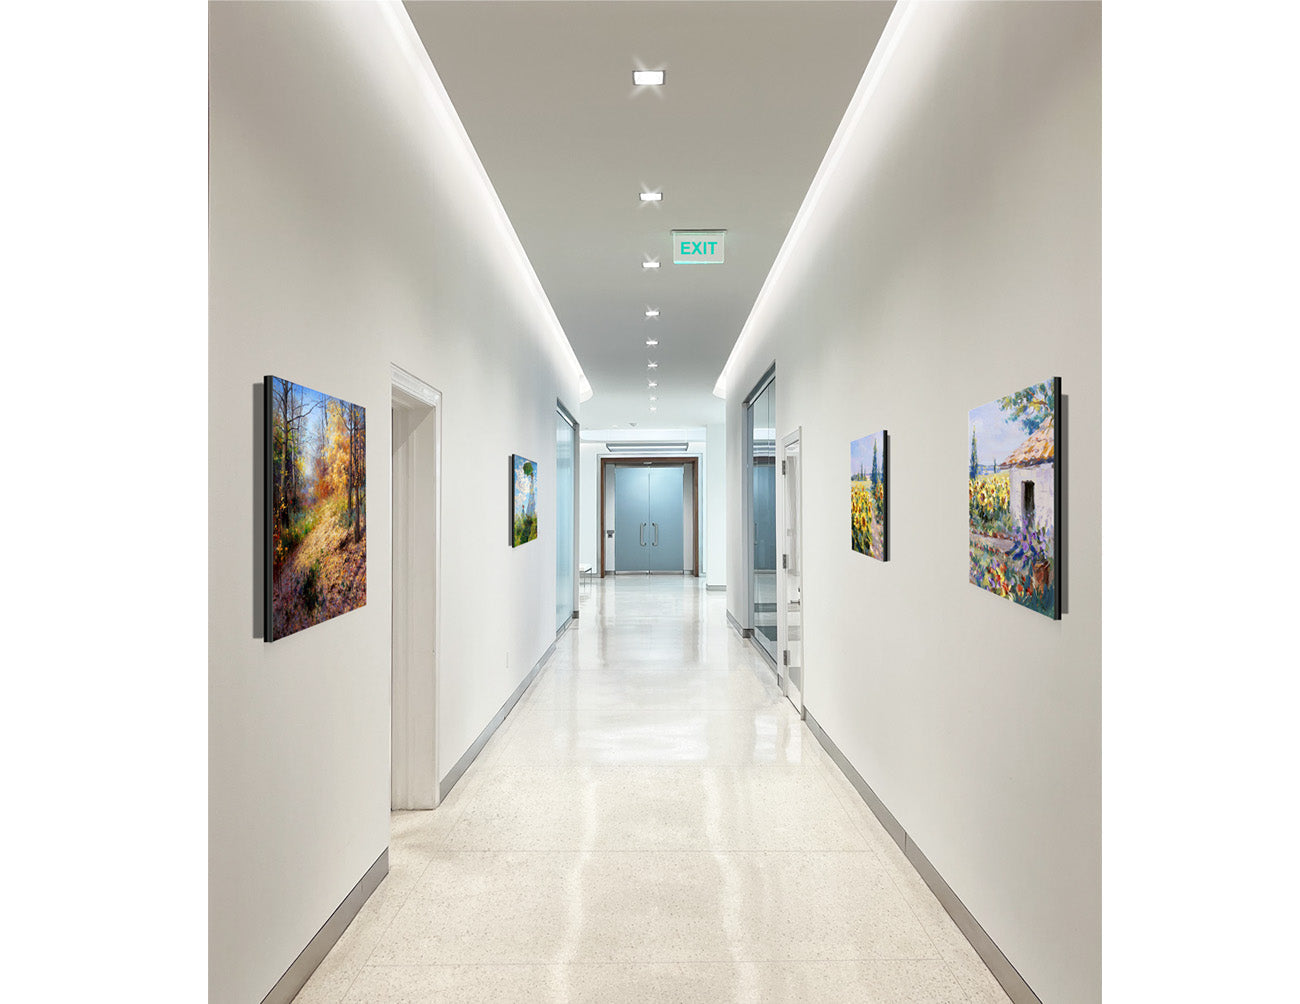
x: 656, y: 526
x: 643, y: 535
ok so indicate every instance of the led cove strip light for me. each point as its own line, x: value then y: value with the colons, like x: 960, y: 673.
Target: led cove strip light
x: 870, y: 80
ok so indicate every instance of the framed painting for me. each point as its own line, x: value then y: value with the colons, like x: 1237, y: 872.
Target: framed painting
x: 1015, y: 497
x: 523, y: 500
x: 869, y: 495
x: 315, y: 507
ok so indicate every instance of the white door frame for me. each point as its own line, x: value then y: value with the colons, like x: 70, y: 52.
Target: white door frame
x: 416, y: 547
x: 791, y: 557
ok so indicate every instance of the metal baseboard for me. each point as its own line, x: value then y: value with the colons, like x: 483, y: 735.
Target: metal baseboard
x: 295, y: 978
x: 471, y: 754
x: 998, y: 964
x: 716, y: 589
x: 744, y: 632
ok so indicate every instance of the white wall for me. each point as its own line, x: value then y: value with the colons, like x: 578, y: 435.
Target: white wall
x: 954, y: 256
x: 713, y: 552
x: 350, y: 229
x: 589, y: 505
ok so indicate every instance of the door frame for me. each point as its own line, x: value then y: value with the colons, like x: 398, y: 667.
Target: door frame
x: 749, y: 627
x: 416, y: 502
x: 660, y: 461
x: 782, y: 600
x: 576, y: 429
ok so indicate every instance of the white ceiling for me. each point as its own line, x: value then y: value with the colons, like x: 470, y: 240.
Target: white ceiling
x: 754, y: 92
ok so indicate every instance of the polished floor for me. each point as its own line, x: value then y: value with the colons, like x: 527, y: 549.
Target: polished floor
x: 651, y: 823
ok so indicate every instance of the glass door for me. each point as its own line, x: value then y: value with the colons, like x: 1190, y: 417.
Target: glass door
x: 790, y: 576
x: 666, y: 532
x: 762, y: 428
x: 565, y: 559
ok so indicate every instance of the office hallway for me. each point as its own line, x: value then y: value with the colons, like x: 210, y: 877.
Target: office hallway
x: 652, y: 822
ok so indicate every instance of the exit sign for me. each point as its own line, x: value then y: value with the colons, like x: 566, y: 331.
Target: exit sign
x: 698, y: 247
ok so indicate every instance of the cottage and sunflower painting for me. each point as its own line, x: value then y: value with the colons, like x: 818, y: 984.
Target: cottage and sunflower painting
x: 1014, y: 493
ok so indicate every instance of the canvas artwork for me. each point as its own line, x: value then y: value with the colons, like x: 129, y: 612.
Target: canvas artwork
x: 1015, y: 497
x: 315, y: 507
x: 523, y: 481
x: 868, y: 471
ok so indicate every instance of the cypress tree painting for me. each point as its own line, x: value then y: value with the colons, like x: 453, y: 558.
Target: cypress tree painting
x: 1015, y: 492
x: 315, y: 509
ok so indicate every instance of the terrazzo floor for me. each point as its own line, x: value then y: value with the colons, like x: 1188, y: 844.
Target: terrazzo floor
x: 652, y: 822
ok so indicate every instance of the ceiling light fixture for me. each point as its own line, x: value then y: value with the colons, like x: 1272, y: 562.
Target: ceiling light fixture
x: 653, y: 408
x: 648, y: 78
x: 653, y: 383
x: 650, y: 343
x: 652, y: 312
x: 649, y: 264
x: 653, y: 398
x: 652, y: 196
x: 652, y: 365
x: 646, y: 446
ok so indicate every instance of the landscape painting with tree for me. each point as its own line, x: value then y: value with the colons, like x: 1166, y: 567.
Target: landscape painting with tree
x: 524, y: 508
x: 316, y: 507
x: 867, y: 495
x: 1014, y: 497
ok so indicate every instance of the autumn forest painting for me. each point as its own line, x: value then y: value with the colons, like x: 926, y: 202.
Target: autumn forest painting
x: 316, y: 519
x: 1014, y: 493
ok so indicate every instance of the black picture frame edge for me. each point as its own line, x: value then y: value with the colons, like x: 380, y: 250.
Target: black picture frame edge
x: 1058, y: 461
x: 510, y: 500
x: 884, y: 517
x: 268, y: 506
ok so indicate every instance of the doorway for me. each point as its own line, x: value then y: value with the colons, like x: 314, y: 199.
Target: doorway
x: 417, y: 521
x: 649, y: 515
x: 790, y: 574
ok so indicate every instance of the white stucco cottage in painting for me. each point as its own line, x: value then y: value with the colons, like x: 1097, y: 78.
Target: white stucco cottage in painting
x: 1031, y: 466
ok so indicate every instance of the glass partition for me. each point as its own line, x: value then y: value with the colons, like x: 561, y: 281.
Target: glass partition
x: 762, y: 428
x: 564, y: 557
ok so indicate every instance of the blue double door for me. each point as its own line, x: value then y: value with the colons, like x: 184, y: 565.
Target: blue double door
x: 649, y: 531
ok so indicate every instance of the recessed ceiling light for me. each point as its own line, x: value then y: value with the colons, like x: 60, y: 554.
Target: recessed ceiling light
x: 653, y: 398
x: 653, y: 408
x: 653, y: 384
x: 652, y: 365
x: 650, y: 343
x: 652, y: 312
x: 649, y: 264
x: 652, y: 196
x: 648, y: 78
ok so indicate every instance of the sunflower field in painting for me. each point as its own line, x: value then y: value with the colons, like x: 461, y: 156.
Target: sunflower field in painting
x: 867, y: 495
x: 1013, y: 488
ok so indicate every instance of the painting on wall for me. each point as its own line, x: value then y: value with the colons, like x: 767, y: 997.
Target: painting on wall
x: 523, y: 509
x: 315, y: 507
x: 868, y: 494
x: 1015, y: 496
